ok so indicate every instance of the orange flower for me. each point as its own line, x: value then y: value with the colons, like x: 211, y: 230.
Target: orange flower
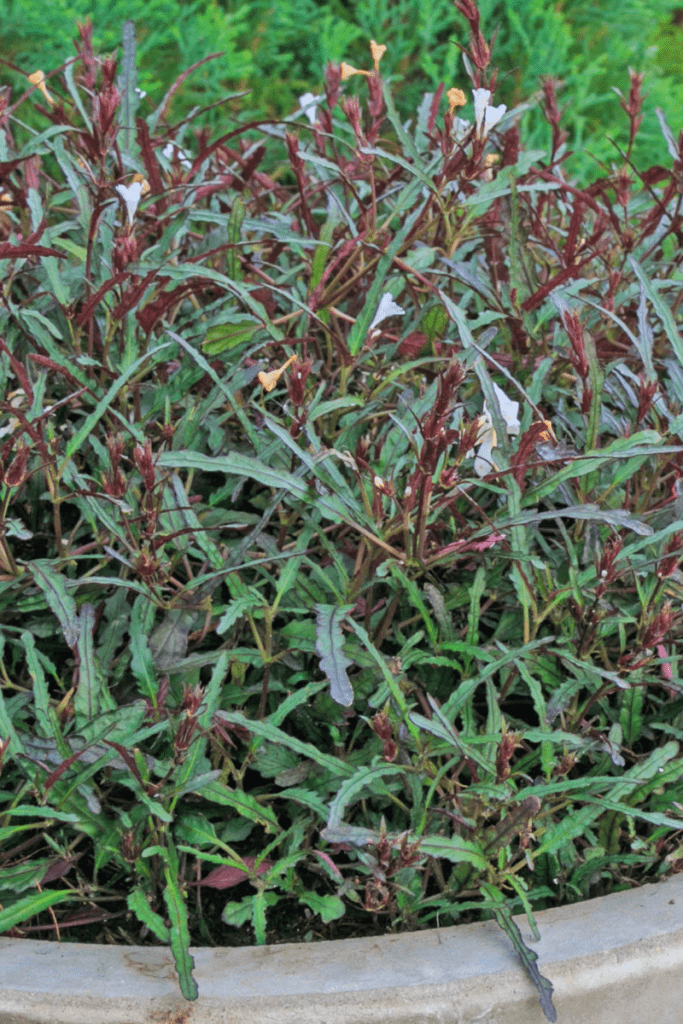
x: 269, y: 380
x: 547, y: 434
x: 348, y: 71
x: 377, y: 52
x: 38, y: 78
x: 456, y: 98
x: 144, y: 184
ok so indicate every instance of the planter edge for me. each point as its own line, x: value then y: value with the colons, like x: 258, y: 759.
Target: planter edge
x: 612, y: 959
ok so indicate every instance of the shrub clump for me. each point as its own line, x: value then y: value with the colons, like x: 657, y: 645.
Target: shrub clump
x: 341, y: 514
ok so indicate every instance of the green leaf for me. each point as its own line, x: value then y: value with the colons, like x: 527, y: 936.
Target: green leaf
x: 454, y: 849
x: 225, y: 336
x: 330, y: 908
x: 62, y: 604
x: 179, y: 934
x: 631, y: 715
x: 404, y: 201
x: 137, y: 902
x: 86, y: 701
x: 503, y: 915
x: 244, y: 803
x: 237, y: 914
x: 663, y: 311
x: 235, y: 464
x: 621, y: 518
x: 237, y: 215
x: 30, y: 906
x: 328, y: 644
x: 126, y: 82
x: 365, y: 776
x: 142, y: 661
x: 41, y: 696
x: 196, y: 831
x: 335, y: 765
x: 107, y: 403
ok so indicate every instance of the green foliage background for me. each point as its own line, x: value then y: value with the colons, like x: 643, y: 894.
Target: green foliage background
x: 278, y: 50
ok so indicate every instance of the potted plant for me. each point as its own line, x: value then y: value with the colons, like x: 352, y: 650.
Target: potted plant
x: 341, y: 522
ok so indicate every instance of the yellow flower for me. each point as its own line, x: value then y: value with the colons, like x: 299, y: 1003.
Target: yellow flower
x: 269, y: 380
x: 456, y: 98
x: 377, y: 52
x: 38, y: 78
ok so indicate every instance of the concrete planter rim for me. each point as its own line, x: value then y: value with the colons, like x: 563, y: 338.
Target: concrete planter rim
x: 617, y: 958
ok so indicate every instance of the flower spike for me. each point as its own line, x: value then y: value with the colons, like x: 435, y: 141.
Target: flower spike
x: 269, y: 380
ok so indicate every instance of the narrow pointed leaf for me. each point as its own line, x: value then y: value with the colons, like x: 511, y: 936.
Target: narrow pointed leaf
x: 528, y: 957
x: 62, y: 604
x: 179, y: 933
x: 86, y: 701
x: 328, y: 644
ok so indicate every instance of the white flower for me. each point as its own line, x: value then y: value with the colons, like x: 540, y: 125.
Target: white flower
x: 131, y: 197
x: 168, y: 151
x: 387, y: 307
x: 308, y: 104
x: 141, y: 93
x: 483, y: 462
x: 485, y: 116
x: 486, y: 438
x: 492, y: 116
x: 508, y: 410
x: 481, y: 102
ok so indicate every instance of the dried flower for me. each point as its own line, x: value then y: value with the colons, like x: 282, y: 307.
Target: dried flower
x: 269, y: 380
x: 490, y: 161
